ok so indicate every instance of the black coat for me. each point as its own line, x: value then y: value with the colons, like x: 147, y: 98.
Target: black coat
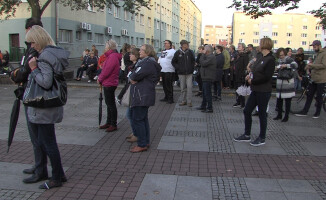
x: 240, y: 67
x: 184, y: 62
x: 219, y: 66
x: 262, y: 73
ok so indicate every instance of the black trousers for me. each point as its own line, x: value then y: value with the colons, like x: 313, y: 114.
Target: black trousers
x: 280, y: 106
x: 112, y: 113
x: 317, y: 88
x: 199, y: 81
x: 226, y: 78
x: 167, y: 80
x: 241, y: 100
x: 91, y: 72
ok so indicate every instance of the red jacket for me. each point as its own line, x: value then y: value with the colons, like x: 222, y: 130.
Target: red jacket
x: 101, y: 61
x: 110, y: 70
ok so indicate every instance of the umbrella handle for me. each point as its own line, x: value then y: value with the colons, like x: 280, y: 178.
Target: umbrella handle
x: 101, y: 88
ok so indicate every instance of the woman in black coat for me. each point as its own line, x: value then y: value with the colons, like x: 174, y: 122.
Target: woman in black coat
x: 240, y: 73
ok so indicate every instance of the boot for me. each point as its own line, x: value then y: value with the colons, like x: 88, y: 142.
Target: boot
x: 286, y: 118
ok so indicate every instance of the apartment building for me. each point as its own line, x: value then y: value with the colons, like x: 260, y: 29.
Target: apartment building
x: 286, y: 30
x: 217, y: 35
x: 76, y: 30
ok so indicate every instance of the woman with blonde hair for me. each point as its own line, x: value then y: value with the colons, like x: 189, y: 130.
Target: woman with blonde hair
x: 51, y: 60
x: 109, y: 79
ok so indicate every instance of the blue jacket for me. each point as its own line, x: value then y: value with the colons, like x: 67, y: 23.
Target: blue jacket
x: 147, y: 74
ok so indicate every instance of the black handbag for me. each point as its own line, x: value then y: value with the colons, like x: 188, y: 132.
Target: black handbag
x: 39, y: 97
x: 285, y: 74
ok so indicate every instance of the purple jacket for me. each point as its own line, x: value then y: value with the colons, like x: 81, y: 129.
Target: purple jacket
x: 110, y: 70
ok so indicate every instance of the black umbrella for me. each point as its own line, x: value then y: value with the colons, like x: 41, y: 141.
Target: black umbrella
x: 100, y: 107
x: 14, y: 115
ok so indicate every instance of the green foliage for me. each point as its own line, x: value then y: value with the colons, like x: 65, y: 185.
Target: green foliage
x: 259, y: 8
x: 8, y: 7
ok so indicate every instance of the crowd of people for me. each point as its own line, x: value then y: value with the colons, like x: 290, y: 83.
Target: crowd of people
x: 214, y: 69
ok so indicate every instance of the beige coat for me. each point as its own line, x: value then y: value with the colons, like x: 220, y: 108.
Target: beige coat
x: 318, y: 68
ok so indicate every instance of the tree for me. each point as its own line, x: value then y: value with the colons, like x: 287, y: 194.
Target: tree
x: 259, y: 8
x: 37, y: 7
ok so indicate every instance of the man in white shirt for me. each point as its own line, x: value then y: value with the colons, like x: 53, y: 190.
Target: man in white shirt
x: 168, y: 71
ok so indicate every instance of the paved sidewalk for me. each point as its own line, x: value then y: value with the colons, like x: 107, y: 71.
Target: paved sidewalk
x: 192, y: 155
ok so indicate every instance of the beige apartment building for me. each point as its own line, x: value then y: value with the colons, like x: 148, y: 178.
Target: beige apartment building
x: 286, y: 30
x: 217, y: 35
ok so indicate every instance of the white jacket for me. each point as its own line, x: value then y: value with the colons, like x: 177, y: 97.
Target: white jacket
x: 165, y: 60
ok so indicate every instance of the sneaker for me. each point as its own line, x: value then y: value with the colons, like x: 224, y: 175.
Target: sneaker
x: 242, y: 138
x: 300, y: 114
x: 118, y: 101
x: 258, y: 142
x: 236, y: 105
x: 83, y: 76
x: 95, y: 78
x: 315, y: 116
x: 89, y: 81
x: 111, y: 129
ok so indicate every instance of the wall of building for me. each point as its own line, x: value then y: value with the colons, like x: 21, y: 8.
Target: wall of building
x: 69, y: 34
x: 286, y: 30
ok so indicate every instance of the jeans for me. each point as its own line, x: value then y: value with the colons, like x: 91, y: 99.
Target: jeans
x: 217, y: 88
x: 167, y: 80
x: 186, y: 87
x: 297, y: 84
x: 317, y: 88
x: 128, y: 115
x: 140, y: 124
x: 46, y: 138
x: 111, y: 108
x: 40, y: 167
x: 261, y: 99
x: 207, y: 96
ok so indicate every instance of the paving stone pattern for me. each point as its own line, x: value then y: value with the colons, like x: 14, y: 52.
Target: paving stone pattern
x: 18, y: 195
x: 186, y: 145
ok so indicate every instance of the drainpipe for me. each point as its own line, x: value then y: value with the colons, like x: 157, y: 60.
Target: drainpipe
x: 56, y: 22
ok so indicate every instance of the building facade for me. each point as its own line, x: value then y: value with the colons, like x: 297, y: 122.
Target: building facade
x: 77, y: 30
x: 217, y: 35
x: 286, y: 30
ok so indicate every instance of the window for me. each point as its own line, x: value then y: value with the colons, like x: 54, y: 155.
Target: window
x: 118, y: 40
x: 65, y: 36
x: 90, y: 6
x: 137, y: 17
x: 207, y: 34
x: 241, y: 41
x: 89, y: 37
x: 303, y: 43
x: 317, y: 35
x: 242, y: 33
x: 255, y: 41
x: 274, y: 34
x: 317, y: 27
x: 148, y: 41
x: 110, y: 8
x: 305, y: 27
x: 275, y: 41
x: 149, y: 21
x: 157, y: 25
x: 256, y: 33
x: 303, y: 34
x: 116, y: 12
x: 78, y: 35
x: 289, y: 34
x: 126, y: 14
x: 289, y: 42
x: 142, y: 19
x: 207, y: 40
x: 162, y: 26
x: 99, y: 38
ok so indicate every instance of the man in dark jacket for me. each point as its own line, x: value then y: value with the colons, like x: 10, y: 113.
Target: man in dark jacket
x: 219, y: 73
x: 207, y: 71
x: 20, y: 77
x: 184, y: 62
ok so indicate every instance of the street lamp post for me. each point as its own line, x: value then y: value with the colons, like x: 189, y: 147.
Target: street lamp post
x: 160, y: 47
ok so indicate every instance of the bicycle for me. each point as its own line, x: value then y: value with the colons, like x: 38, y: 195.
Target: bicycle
x: 306, y: 89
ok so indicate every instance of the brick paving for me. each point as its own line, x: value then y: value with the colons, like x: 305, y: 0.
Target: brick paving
x: 105, y: 169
